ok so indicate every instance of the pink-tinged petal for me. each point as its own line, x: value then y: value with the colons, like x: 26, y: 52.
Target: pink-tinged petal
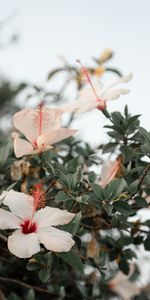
x: 50, y: 216
x: 22, y: 147
x: 25, y: 122
x: 56, y: 240
x: 109, y: 171
x: 52, y: 119
x: 55, y: 136
x: 80, y: 106
x: 8, y: 220
x: 23, y: 245
x: 20, y: 204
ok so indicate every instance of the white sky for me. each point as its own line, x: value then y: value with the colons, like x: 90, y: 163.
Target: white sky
x: 50, y: 28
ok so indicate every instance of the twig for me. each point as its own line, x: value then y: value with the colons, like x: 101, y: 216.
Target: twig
x: 24, y: 284
x: 143, y: 175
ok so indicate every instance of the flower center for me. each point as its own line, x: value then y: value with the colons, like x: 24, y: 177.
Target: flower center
x: 28, y: 227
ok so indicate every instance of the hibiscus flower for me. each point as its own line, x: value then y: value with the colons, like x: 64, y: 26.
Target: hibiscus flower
x: 94, y: 95
x: 41, y: 127
x: 33, y: 226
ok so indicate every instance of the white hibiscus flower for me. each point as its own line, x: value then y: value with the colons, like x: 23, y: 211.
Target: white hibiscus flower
x: 94, y: 95
x: 41, y: 127
x: 34, y: 227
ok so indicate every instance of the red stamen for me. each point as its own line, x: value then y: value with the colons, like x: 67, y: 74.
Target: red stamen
x: 39, y: 199
x: 28, y: 227
x: 40, y: 115
x: 38, y: 195
x: 88, y: 78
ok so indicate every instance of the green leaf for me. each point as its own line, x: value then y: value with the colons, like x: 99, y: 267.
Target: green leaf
x: 129, y: 254
x: 145, y: 134
x: 98, y: 191
x: 62, y: 197
x: 4, y: 155
x: 133, y: 186
x: 72, y: 259
x: 114, y: 188
x: 73, y: 226
x: 141, y: 202
x: 123, y: 265
x: 33, y: 266
x: 108, y: 208
x: 123, y: 207
x: 147, y: 243
x: 92, y: 176
x: 109, y: 147
x: 14, y: 296
x: 30, y: 295
x: 44, y: 275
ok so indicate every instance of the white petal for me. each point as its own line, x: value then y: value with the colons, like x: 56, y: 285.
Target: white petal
x: 57, y: 135
x: 80, y: 106
x: 22, y: 147
x: 3, y: 195
x: 23, y: 245
x: 19, y: 203
x: 123, y: 79
x: 8, y: 220
x: 114, y: 94
x: 52, y: 216
x: 56, y: 240
x: 25, y: 122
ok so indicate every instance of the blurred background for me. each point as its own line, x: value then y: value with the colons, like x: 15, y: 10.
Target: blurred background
x: 39, y: 36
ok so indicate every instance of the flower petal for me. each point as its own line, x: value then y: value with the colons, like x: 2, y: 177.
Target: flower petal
x: 3, y: 195
x: 22, y: 147
x: 114, y: 94
x: 52, y: 216
x: 23, y: 245
x: 8, y: 220
x: 57, y: 135
x: 56, y: 240
x: 109, y: 171
x: 25, y: 122
x: 19, y: 203
x: 51, y: 119
x: 80, y: 106
x: 123, y: 79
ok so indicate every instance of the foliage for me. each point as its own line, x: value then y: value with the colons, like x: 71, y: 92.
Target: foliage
x: 102, y: 213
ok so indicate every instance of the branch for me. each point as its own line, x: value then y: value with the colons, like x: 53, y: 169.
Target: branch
x: 143, y: 175
x: 25, y: 284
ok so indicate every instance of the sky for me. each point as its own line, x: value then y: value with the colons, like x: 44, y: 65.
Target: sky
x: 49, y: 29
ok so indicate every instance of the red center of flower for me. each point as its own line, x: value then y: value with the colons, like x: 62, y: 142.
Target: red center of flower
x: 28, y: 227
